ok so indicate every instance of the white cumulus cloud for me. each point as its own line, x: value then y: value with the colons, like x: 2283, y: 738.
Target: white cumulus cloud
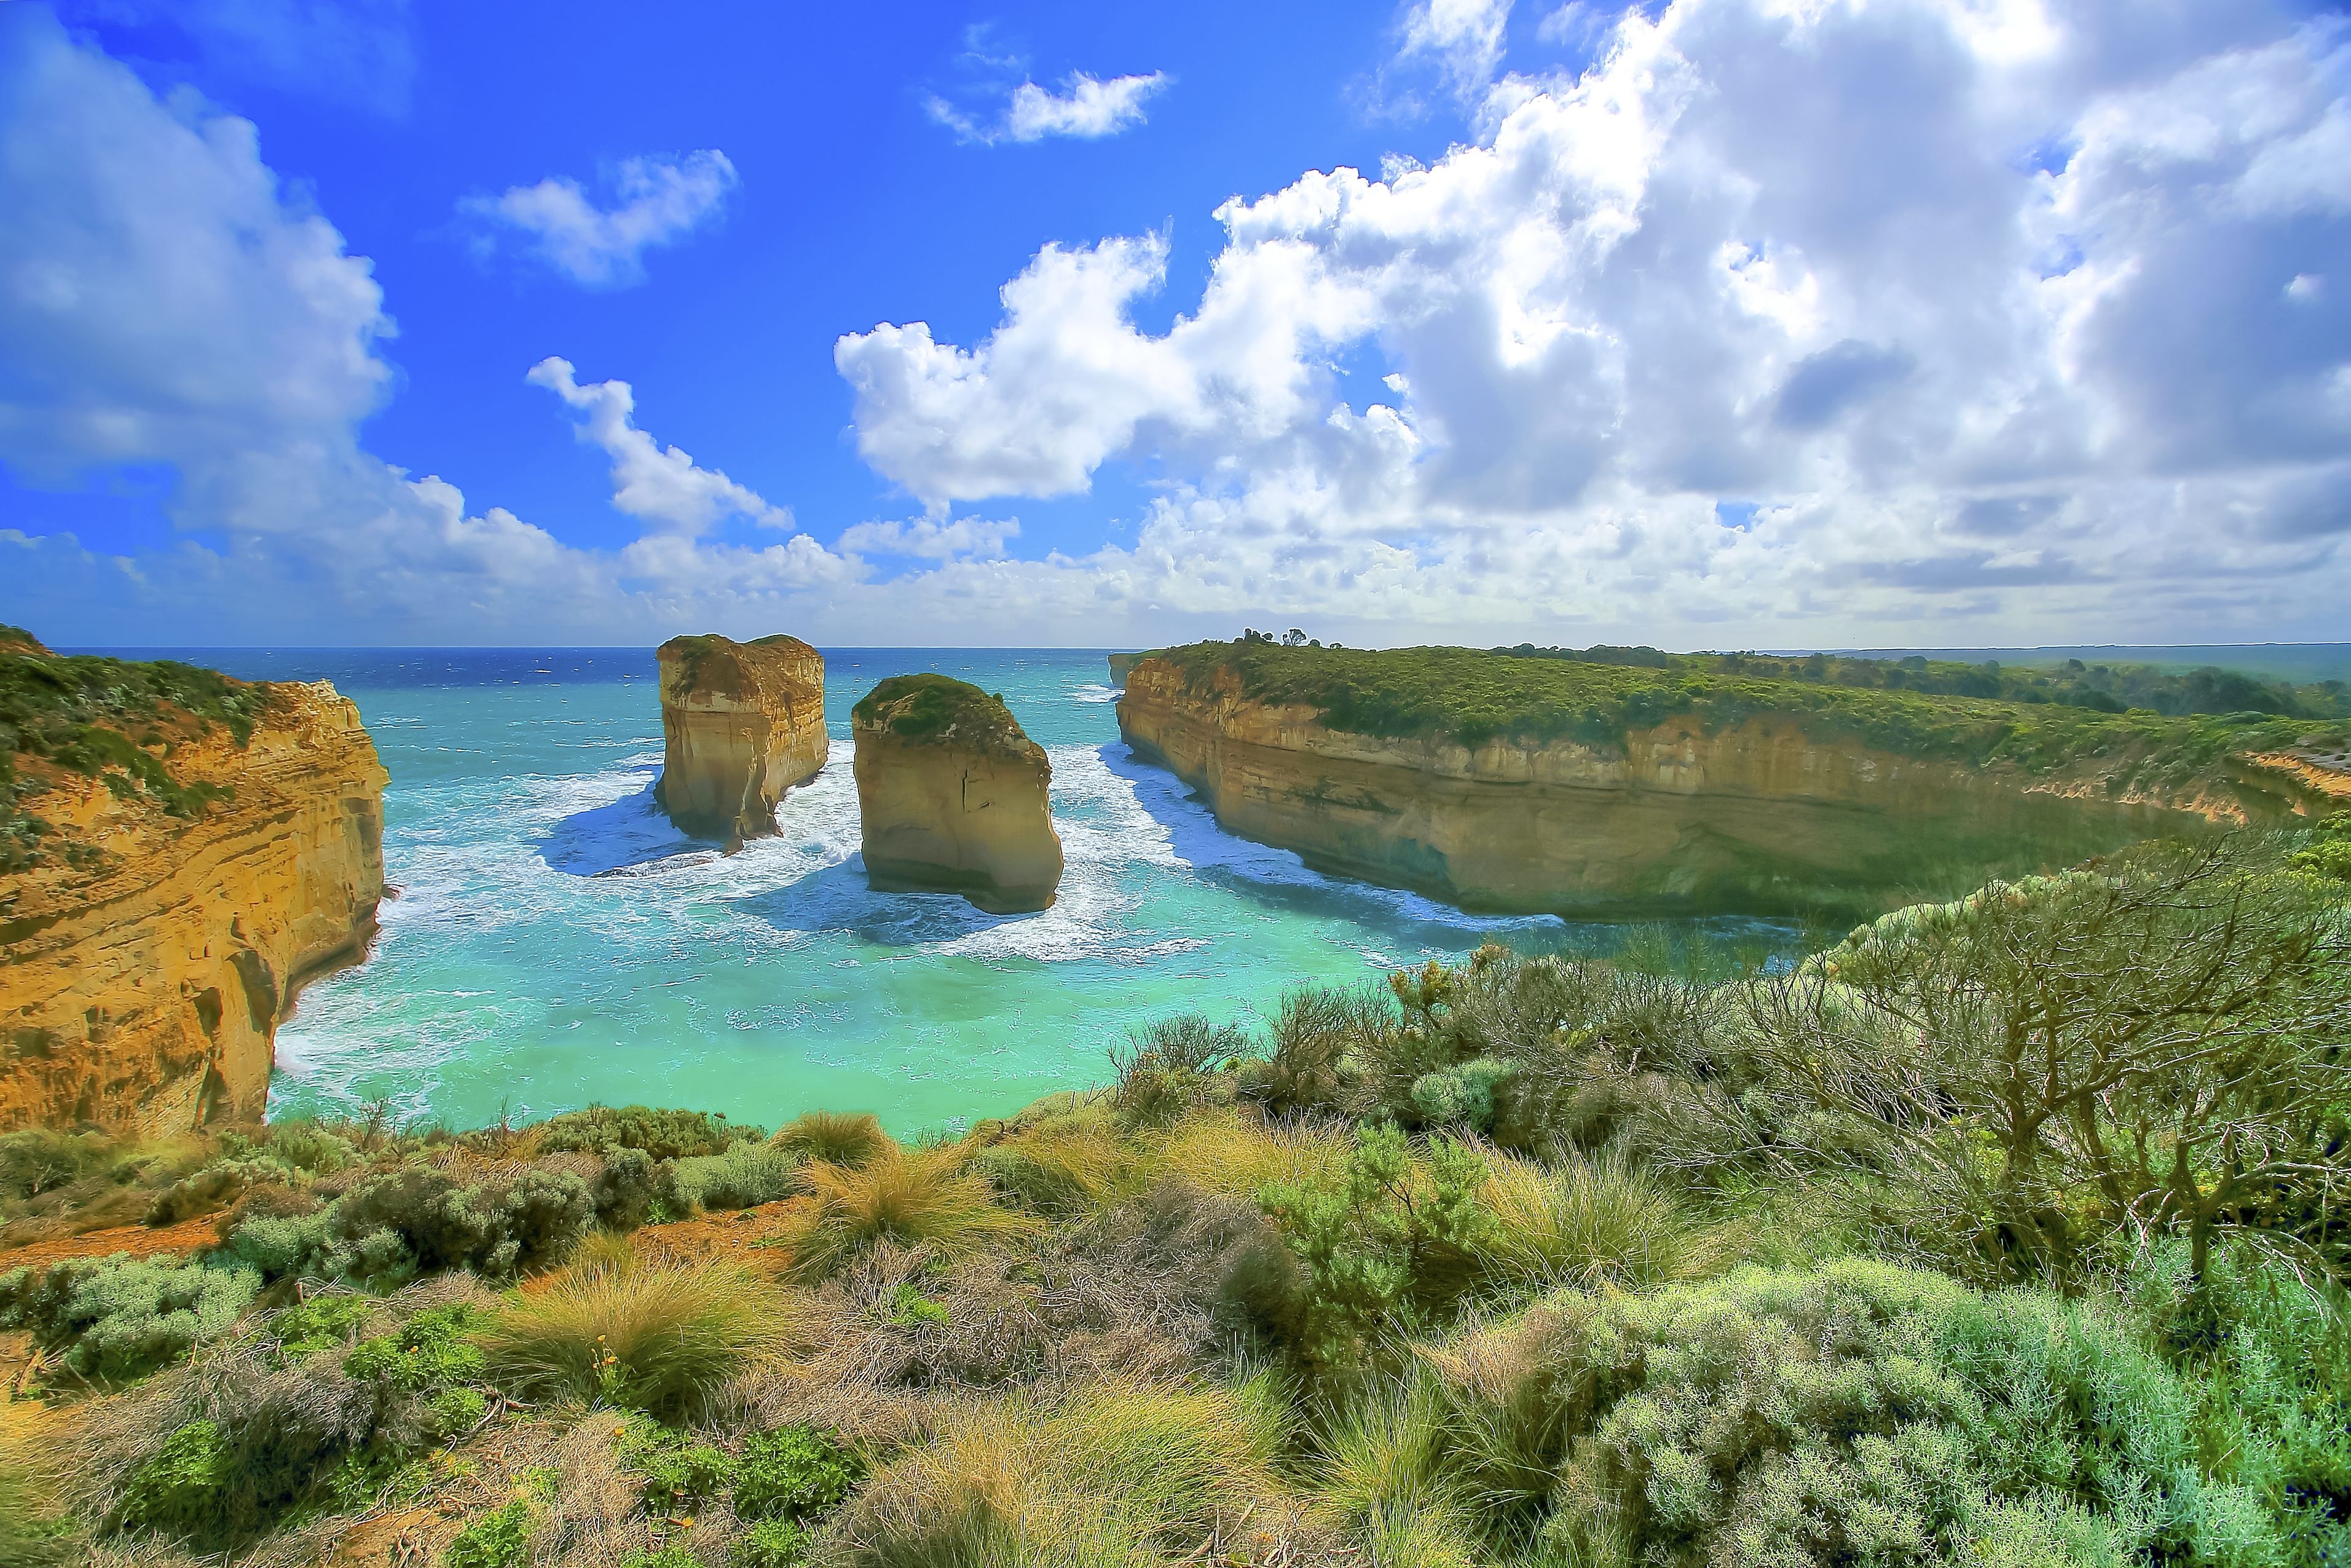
x: 656, y: 201
x: 1087, y: 108
x: 658, y: 484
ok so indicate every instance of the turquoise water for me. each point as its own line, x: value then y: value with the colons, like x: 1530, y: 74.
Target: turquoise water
x: 555, y: 942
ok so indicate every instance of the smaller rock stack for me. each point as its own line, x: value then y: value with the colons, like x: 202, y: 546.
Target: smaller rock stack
x: 741, y: 723
x: 954, y: 796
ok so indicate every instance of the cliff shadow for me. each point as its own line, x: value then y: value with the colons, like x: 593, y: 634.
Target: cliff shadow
x: 1281, y: 879
x: 838, y: 898
x: 631, y: 834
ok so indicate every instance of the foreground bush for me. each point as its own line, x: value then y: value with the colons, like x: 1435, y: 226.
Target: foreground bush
x: 1117, y: 1476
x: 113, y: 1318
x: 657, y: 1337
x: 1855, y: 1412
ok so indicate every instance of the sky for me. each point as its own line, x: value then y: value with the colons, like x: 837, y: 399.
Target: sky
x: 1707, y: 323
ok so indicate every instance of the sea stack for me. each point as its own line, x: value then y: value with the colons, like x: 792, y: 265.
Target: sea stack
x: 954, y: 796
x: 741, y: 723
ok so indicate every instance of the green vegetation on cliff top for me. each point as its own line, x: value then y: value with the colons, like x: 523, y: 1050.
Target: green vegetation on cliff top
x: 102, y: 719
x: 927, y: 706
x: 1471, y: 696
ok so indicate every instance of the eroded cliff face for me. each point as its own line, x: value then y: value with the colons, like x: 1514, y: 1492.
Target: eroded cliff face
x: 741, y: 724
x: 1756, y: 818
x: 145, y: 994
x: 955, y: 807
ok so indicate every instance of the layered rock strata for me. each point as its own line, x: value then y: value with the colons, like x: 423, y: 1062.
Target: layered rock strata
x: 1757, y: 817
x: 955, y: 797
x: 143, y: 981
x: 741, y: 724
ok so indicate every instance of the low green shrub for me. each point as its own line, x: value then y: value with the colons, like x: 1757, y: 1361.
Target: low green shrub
x: 1859, y: 1413
x: 793, y: 1472
x: 397, y: 1224
x: 119, y: 1317
x: 175, y: 1492
x: 780, y: 1542
x: 674, y: 1469
x: 498, y: 1539
x: 1168, y: 1065
x: 746, y: 1176
x: 430, y: 1352
x: 662, y: 1134
x: 321, y: 1323
x: 40, y: 1159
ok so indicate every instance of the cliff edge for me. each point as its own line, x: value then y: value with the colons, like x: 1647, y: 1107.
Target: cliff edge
x: 741, y: 724
x: 179, y: 853
x: 955, y: 797
x: 1513, y: 786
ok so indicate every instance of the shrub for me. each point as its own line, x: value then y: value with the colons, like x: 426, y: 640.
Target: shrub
x: 1108, y: 1477
x: 321, y: 1323
x: 38, y: 1160
x: 658, y: 1337
x: 175, y: 1491
x: 430, y: 1352
x: 1314, y: 1028
x: 1392, y: 1228
x: 1165, y: 1067
x: 1583, y: 1222
x: 501, y: 1537
x: 744, y: 1176
x: 631, y: 1188
x: 779, y: 1542
x: 793, y: 1472
x: 662, y: 1134
x: 674, y: 1469
x: 1860, y: 1411
x: 118, y: 1317
x: 415, y: 1219
x: 840, y: 1137
x: 918, y: 1198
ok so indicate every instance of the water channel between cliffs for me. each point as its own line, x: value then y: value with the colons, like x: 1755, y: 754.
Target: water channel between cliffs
x: 558, y: 943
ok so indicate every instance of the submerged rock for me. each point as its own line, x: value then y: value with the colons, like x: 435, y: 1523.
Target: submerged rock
x: 741, y: 724
x: 954, y: 796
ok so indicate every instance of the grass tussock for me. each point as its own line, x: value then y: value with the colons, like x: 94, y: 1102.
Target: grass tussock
x: 838, y: 1137
x: 1585, y: 1222
x: 921, y: 1197
x: 1122, y: 1475
x: 657, y: 1336
x: 1236, y: 1154
x: 1383, y: 1483
x: 1066, y: 1167
x: 34, y: 1529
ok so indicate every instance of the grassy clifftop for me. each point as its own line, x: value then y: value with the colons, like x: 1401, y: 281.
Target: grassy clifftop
x: 930, y: 706
x: 1471, y: 696
x: 66, y: 716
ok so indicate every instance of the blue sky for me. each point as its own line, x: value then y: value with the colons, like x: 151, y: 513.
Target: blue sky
x: 1727, y: 323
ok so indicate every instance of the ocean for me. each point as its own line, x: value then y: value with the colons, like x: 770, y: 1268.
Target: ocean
x: 555, y: 942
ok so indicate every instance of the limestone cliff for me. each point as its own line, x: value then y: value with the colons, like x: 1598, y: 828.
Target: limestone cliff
x: 170, y: 888
x: 741, y: 724
x: 955, y: 797
x: 1764, y: 814
x: 1121, y: 663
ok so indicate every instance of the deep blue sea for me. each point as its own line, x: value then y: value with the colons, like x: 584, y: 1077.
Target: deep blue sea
x: 555, y: 942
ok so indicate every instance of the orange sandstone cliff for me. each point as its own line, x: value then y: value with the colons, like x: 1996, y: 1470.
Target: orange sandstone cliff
x: 1758, y: 816
x: 147, y: 957
x: 741, y: 724
x: 954, y: 796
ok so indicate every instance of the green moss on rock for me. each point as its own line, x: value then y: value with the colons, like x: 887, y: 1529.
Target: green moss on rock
x: 928, y: 707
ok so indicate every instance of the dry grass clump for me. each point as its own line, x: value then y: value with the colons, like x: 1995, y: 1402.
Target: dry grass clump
x: 1234, y: 1152
x: 1066, y: 1166
x: 1583, y: 1222
x: 1119, y: 1475
x: 915, y: 1197
x: 840, y: 1137
x: 658, y: 1336
x: 33, y: 1447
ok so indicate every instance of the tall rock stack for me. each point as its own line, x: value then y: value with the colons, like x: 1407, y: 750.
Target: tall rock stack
x: 955, y: 795
x: 741, y: 724
x: 177, y: 899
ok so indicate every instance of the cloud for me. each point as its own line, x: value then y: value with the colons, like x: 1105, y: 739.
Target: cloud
x: 928, y: 538
x: 1464, y: 37
x: 1088, y: 108
x: 1905, y: 276
x: 658, y: 484
x: 656, y: 201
